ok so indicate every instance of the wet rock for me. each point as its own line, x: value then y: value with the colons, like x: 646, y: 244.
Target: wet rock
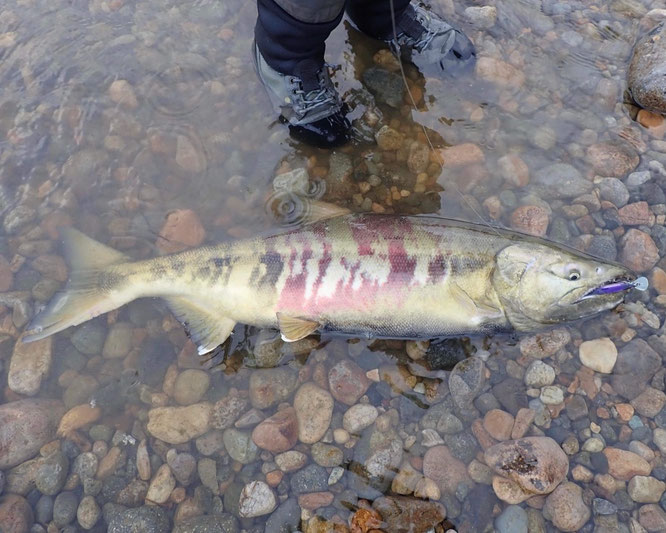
x: 614, y: 191
x: 278, y: 433
x: 499, y: 72
x: 536, y: 464
x: 161, y: 485
x: 376, y: 459
x: 347, y: 382
x: 358, y: 417
x: 418, y: 158
x: 227, y: 410
x: 649, y: 402
x: 635, y: 214
x: 388, y: 87
x: 498, y: 424
x: 389, y: 139
x: 409, y: 515
x: 636, y: 364
x: 614, y: 159
x: 240, y: 446
x: 15, y: 514
x: 511, y: 394
x: 88, y: 338
x: 121, y: 92
x: 647, y: 69
x: 565, y: 507
x: 190, y: 386
x: 444, y: 469
x: 338, y: 180
x: 182, y: 229
x: 461, y: 155
x: 25, y: 426
x: 88, y: 512
x: 482, y: 17
x: 64, y: 508
x: 270, y: 386
x: 118, y: 341
x: 561, y: 180
x: 545, y: 344
x: 466, y: 381
x: 539, y: 374
x: 326, y: 455
x: 146, y: 519
x: 652, y: 518
x: 314, y: 409
x: 256, y: 499
x: 217, y: 523
x: 291, y: 461
x: 645, y: 489
x: 530, y: 219
x: 623, y: 464
x: 295, y: 181
x: 512, y: 520
x: 52, y: 473
x: 312, y: 478
x: 599, y: 354
x: 514, y: 170
x: 29, y: 365
x: 638, y: 251
x: 177, y: 425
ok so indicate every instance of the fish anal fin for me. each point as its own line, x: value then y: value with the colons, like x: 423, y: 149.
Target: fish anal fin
x: 293, y: 328
x: 206, y: 327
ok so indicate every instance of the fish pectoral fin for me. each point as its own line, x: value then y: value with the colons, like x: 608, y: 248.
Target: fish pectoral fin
x: 207, y: 328
x: 294, y: 329
x: 481, y: 311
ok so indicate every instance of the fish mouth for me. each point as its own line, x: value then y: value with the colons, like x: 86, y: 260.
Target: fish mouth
x: 616, y: 285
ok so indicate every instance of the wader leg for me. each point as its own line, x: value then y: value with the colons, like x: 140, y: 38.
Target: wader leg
x: 289, y: 31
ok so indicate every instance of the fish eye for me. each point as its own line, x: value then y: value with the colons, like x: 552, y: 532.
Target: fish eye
x: 574, y: 275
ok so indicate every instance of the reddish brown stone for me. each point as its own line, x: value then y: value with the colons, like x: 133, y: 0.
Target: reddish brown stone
x: 531, y: 219
x: 614, y: 159
x: 623, y: 464
x: 498, y: 423
x: 278, y: 433
x: 181, y: 230
x: 15, y: 514
x: 444, y: 469
x: 347, y: 382
x: 638, y: 251
x: 635, y: 214
x: 462, y: 154
x: 315, y: 500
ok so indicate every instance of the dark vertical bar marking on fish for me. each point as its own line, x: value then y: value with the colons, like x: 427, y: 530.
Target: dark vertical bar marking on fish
x: 437, y: 269
x: 274, y: 265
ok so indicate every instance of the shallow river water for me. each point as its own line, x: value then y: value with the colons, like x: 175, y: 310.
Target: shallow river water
x: 143, y: 125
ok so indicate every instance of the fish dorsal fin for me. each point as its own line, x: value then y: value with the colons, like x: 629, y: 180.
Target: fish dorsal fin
x: 207, y: 328
x: 84, y: 253
x: 318, y: 210
x: 294, y: 329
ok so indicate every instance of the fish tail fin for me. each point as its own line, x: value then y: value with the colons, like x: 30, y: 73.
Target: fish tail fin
x: 85, y: 296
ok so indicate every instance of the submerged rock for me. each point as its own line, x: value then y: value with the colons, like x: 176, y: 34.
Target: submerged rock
x: 536, y: 464
x: 647, y: 71
x: 409, y: 515
x: 565, y: 507
x: 25, y: 426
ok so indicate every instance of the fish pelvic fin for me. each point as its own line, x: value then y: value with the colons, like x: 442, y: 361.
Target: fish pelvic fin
x: 294, y: 329
x: 206, y: 327
x: 86, y: 294
x: 319, y: 210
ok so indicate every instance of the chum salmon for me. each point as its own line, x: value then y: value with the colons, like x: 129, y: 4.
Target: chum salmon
x: 388, y: 276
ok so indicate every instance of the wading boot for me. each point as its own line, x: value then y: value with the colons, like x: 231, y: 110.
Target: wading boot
x: 431, y: 41
x: 307, y: 101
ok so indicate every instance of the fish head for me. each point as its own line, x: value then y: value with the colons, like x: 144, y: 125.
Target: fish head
x: 541, y: 284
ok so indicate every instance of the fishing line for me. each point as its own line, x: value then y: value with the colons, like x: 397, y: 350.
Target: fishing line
x: 440, y: 160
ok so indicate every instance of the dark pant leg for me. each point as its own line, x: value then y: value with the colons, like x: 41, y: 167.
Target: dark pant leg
x: 288, y: 31
x: 373, y: 17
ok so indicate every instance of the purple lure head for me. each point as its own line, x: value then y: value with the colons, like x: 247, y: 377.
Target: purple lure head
x: 619, y: 286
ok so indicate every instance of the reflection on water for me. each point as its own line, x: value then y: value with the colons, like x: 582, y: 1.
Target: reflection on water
x: 135, y: 120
